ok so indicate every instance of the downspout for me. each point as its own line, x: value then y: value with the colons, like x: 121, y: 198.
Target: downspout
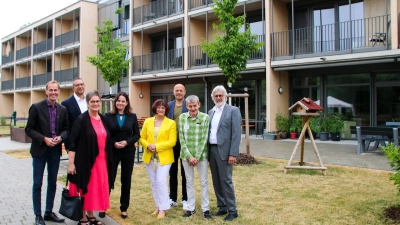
x: 205, y: 95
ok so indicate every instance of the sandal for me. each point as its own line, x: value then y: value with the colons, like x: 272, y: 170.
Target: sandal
x: 94, y: 221
x: 84, y: 222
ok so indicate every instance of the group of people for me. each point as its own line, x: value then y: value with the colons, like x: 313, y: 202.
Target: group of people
x: 97, y: 144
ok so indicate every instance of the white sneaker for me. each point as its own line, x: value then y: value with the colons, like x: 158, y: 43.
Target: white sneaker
x: 184, y: 205
x: 173, y: 203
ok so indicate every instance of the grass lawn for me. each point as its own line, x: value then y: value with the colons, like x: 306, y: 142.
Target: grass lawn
x: 265, y: 195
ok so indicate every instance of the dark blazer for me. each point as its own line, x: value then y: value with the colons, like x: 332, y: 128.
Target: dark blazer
x: 38, y: 126
x: 84, y: 144
x: 171, y: 105
x: 229, y: 131
x: 73, y: 112
x: 129, y: 131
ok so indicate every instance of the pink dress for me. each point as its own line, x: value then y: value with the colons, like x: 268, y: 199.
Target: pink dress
x: 97, y: 197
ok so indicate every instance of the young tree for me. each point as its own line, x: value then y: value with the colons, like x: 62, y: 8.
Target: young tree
x: 111, y: 57
x: 232, y: 49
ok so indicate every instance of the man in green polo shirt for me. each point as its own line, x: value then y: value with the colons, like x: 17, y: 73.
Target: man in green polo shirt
x: 193, y: 136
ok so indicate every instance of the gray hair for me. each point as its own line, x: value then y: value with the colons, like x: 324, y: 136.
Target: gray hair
x: 219, y: 88
x: 192, y: 98
x: 90, y: 94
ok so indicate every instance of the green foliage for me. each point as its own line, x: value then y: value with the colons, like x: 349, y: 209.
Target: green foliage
x: 393, y: 156
x: 282, y: 122
x: 231, y: 50
x: 315, y: 123
x: 335, y: 122
x: 295, y: 123
x: 111, y: 57
x: 3, y: 121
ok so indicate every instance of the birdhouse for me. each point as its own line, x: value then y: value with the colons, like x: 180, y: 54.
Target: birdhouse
x: 306, y: 106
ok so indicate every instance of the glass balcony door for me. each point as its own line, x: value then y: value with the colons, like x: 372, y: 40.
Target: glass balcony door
x: 324, y: 31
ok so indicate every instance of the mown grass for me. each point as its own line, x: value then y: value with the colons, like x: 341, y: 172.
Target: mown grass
x: 265, y: 195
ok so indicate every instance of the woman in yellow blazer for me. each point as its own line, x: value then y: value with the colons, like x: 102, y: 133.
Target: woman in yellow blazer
x: 157, y: 137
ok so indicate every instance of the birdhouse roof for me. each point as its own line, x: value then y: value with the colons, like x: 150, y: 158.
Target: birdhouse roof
x: 308, y: 104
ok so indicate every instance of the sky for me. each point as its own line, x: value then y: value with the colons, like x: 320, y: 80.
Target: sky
x: 15, y: 13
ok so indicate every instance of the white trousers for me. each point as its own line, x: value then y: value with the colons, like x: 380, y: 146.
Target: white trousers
x: 159, y: 185
x: 202, y: 170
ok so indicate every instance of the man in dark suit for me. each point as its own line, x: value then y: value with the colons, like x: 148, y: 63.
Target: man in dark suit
x: 177, y: 107
x: 47, y: 126
x: 224, y: 139
x: 75, y: 105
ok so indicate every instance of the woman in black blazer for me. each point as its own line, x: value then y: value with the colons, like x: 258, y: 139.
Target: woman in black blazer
x: 124, y: 129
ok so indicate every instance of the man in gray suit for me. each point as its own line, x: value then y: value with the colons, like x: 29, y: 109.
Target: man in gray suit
x: 224, y: 139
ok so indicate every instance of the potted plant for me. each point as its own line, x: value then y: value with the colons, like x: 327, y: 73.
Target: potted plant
x: 323, y: 127
x: 295, y: 126
x: 315, y: 125
x: 282, y: 124
x: 336, y: 124
x: 270, y: 135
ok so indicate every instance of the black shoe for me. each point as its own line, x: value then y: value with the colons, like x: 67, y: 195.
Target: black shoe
x: 53, y: 217
x: 207, y: 215
x: 220, y: 213
x: 231, y: 217
x: 189, y: 213
x: 39, y: 220
x: 124, y: 216
x: 102, y: 214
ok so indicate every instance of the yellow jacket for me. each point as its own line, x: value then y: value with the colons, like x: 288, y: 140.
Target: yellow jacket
x: 166, y: 140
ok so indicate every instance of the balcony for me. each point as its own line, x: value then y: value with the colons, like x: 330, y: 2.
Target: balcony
x: 24, y: 82
x: 43, y: 46
x: 199, y: 3
x: 67, y: 38
x: 7, y: 85
x: 66, y: 76
x: 197, y: 57
x: 6, y: 59
x: 159, y: 61
x: 23, y: 53
x: 369, y: 34
x: 41, y: 79
x: 156, y: 9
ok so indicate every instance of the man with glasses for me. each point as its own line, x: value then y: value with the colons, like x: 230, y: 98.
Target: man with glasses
x: 75, y: 105
x: 224, y: 140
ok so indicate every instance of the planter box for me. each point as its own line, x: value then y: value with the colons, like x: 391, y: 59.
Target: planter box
x: 269, y: 136
x: 19, y: 135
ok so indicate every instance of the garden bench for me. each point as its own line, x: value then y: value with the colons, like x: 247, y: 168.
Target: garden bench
x: 366, y: 135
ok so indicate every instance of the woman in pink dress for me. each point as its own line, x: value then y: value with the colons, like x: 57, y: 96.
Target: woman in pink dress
x: 90, y: 160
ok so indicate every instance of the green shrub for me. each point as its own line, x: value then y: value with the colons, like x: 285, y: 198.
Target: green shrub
x: 393, y: 156
x: 3, y: 121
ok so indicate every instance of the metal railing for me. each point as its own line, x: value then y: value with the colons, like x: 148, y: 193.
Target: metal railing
x: 24, y: 82
x: 198, y: 3
x: 43, y: 46
x: 6, y: 59
x: 67, y: 38
x: 7, y: 85
x: 343, y: 36
x: 171, y: 59
x: 66, y: 76
x: 23, y: 53
x: 41, y: 79
x: 156, y: 10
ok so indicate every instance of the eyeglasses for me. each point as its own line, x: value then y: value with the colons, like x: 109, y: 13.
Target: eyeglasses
x: 218, y: 96
x: 94, y: 102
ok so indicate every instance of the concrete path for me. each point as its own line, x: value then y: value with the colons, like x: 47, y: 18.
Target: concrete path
x: 16, y: 174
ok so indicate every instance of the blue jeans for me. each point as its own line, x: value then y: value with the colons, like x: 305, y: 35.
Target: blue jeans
x: 52, y: 158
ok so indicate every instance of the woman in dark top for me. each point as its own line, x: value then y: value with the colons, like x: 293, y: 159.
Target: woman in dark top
x: 90, y: 160
x: 124, y: 131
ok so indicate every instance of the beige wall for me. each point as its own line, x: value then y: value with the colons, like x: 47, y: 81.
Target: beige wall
x: 23, y: 71
x: 22, y: 102
x: 374, y: 8
x: 140, y: 106
x: 197, y: 31
x: 394, y: 26
x: 146, y: 44
x: 7, y: 74
x: 212, y: 32
x: 23, y: 42
x: 281, y: 23
x: 137, y: 46
x: 39, y: 35
x: 6, y: 105
x: 39, y: 67
x: 64, y: 94
x: 38, y: 96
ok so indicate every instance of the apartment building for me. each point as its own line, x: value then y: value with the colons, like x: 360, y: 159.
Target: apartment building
x: 342, y: 54
x: 53, y: 48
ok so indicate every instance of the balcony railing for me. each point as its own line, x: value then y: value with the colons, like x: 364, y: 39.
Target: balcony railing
x: 171, y: 59
x: 23, y: 53
x: 6, y: 59
x: 43, y: 46
x: 156, y: 10
x: 67, y: 38
x: 198, y: 3
x: 7, y: 85
x: 24, y: 82
x: 343, y: 36
x: 41, y: 79
x: 66, y: 76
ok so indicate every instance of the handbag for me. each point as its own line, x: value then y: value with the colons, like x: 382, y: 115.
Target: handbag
x: 71, y: 206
